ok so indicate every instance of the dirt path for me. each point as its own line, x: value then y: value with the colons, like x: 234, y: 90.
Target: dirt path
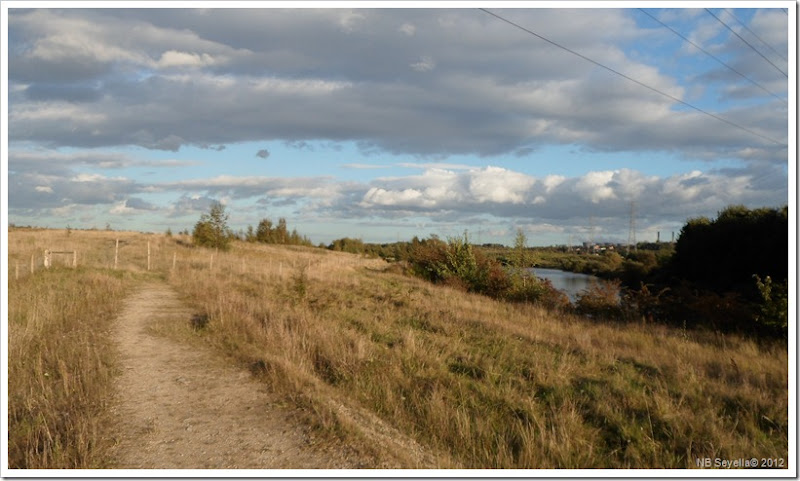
x: 181, y: 407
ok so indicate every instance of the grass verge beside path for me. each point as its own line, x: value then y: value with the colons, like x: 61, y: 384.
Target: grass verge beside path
x: 493, y: 385
x: 61, y: 365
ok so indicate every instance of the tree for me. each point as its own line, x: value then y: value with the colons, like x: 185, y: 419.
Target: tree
x: 212, y: 228
x: 282, y: 232
x: 520, y: 253
x: 264, y: 232
x: 723, y: 254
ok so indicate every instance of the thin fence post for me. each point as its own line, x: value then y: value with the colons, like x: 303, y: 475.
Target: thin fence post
x: 174, y: 258
x: 148, y: 255
x: 116, y: 254
x: 32, y: 263
x: 74, y: 259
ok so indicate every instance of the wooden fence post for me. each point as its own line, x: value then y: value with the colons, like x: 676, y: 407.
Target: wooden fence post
x: 174, y: 258
x: 74, y: 259
x: 32, y: 263
x: 148, y: 255
x: 116, y: 254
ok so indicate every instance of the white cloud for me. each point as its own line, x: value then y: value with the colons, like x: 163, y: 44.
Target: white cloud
x: 88, y: 178
x: 495, y: 184
x: 403, y: 198
x: 349, y: 21
x: 173, y: 58
x: 121, y: 208
x: 594, y: 186
x: 408, y: 29
x: 425, y: 64
x: 552, y: 181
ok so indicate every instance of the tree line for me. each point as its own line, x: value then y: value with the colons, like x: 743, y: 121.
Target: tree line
x: 212, y: 231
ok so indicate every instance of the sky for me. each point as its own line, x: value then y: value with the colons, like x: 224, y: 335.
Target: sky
x: 383, y: 124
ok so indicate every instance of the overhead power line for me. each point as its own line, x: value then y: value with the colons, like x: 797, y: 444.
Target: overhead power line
x: 714, y: 57
x: 756, y: 36
x: 746, y: 42
x: 732, y: 124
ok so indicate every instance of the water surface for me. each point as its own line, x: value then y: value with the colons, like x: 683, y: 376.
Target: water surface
x: 571, y: 283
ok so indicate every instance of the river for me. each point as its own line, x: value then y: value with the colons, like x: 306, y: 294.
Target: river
x: 571, y: 283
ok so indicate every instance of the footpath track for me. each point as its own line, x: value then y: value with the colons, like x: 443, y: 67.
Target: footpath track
x: 181, y: 407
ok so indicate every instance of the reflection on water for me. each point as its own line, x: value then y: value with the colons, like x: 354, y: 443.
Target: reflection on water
x: 571, y: 283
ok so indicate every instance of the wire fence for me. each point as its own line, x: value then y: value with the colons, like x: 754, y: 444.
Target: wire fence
x: 174, y: 255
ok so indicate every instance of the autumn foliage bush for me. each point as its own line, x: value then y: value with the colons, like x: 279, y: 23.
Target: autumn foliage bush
x: 456, y: 264
x: 601, y: 300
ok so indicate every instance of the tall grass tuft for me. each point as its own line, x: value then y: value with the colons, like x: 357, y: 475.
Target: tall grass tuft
x: 61, y: 365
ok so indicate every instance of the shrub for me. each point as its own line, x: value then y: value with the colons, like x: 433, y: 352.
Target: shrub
x: 600, y: 300
x: 773, y: 311
x: 528, y: 288
x: 643, y: 304
x: 426, y: 256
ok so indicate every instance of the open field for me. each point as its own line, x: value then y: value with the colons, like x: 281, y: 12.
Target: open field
x: 476, y: 382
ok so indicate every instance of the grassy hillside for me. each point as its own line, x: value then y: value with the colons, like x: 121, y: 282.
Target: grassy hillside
x: 480, y: 383
x: 490, y: 384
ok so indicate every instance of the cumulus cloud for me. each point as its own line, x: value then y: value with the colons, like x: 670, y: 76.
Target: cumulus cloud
x: 602, y: 194
x: 425, y: 84
x: 290, y: 75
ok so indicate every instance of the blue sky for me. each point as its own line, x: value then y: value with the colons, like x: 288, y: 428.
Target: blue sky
x: 385, y: 124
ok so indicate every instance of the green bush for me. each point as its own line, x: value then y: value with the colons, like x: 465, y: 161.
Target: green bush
x: 773, y: 312
x: 528, y: 288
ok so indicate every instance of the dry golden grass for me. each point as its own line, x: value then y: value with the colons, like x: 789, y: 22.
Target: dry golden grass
x: 60, y: 366
x: 61, y: 359
x: 488, y: 384
x: 480, y: 383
